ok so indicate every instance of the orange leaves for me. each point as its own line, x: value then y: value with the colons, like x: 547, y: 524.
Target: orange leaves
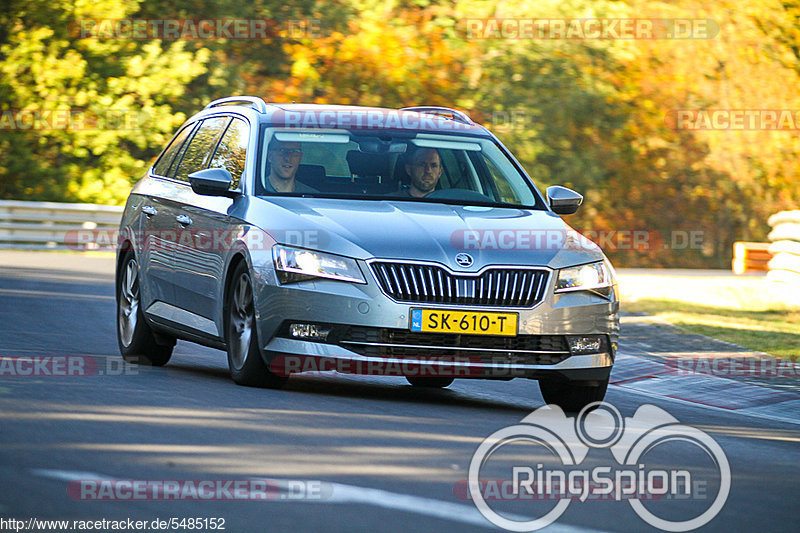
x: 389, y: 59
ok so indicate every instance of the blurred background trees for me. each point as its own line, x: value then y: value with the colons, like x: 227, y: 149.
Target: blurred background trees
x: 596, y: 115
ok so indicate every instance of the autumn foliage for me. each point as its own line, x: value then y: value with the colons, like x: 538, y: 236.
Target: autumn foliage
x: 597, y: 115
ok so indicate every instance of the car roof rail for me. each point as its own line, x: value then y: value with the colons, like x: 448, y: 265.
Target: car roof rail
x: 443, y: 112
x: 249, y: 101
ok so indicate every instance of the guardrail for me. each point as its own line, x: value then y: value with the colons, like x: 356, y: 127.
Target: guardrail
x: 53, y: 225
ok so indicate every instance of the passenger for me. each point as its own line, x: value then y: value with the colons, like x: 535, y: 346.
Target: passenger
x: 284, y: 160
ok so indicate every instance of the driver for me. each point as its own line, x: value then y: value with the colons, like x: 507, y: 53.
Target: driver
x: 424, y: 168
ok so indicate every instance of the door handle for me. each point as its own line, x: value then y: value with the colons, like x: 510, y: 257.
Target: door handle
x: 149, y: 211
x: 184, y: 220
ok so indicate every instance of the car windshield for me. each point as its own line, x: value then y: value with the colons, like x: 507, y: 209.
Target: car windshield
x: 376, y: 166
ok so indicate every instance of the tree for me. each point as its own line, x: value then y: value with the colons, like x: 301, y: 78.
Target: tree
x: 118, y: 94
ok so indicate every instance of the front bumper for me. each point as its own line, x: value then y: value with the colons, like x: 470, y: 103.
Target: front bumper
x: 289, y: 356
x: 365, y: 306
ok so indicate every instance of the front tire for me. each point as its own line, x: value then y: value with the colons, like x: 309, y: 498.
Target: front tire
x: 244, y: 356
x: 136, y: 340
x: 572, y: 396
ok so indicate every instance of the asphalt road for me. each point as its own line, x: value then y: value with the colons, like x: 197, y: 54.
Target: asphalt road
x: 342, y: 453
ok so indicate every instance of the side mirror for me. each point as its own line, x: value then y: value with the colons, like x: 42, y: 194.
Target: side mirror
x: 563, y: 201
x: 212, y: 182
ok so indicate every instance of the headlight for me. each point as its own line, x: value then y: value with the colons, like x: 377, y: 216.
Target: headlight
x: 591, y: 277
x: 296, y: 264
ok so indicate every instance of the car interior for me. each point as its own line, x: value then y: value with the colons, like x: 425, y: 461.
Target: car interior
x: 367, y: 173
x: 362, y: 173
x: 369, y: 166
x: 370, y: 174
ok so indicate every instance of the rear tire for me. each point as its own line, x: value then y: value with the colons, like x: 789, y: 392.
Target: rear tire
x: 433, y: 383
x: 572, y: 396
x: 244, y: 356
x: 137, y: 342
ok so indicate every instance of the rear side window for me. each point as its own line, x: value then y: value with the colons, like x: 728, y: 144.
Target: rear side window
x: 163, y: 164
x: 232, y: 150
x: 198, y: 152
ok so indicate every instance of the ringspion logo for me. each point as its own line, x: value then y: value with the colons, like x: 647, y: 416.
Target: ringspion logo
x: 629, y: 478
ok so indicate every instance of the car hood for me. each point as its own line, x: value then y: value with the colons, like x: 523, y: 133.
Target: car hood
x: 397, y: 229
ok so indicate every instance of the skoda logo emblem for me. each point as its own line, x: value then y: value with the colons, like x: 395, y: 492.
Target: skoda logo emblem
x: 464, y: 260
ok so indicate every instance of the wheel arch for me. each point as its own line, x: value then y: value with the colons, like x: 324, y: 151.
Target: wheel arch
x: 238, y: 257
x: 124, y: 248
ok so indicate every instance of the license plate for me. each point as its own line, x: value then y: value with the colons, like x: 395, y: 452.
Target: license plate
x: 473, y: 323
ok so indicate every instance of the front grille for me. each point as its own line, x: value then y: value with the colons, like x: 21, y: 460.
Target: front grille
x: 387, y: 342
x: 496, y: 287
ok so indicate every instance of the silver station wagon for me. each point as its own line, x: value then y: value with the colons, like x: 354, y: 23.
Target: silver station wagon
x: 335, y: 239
